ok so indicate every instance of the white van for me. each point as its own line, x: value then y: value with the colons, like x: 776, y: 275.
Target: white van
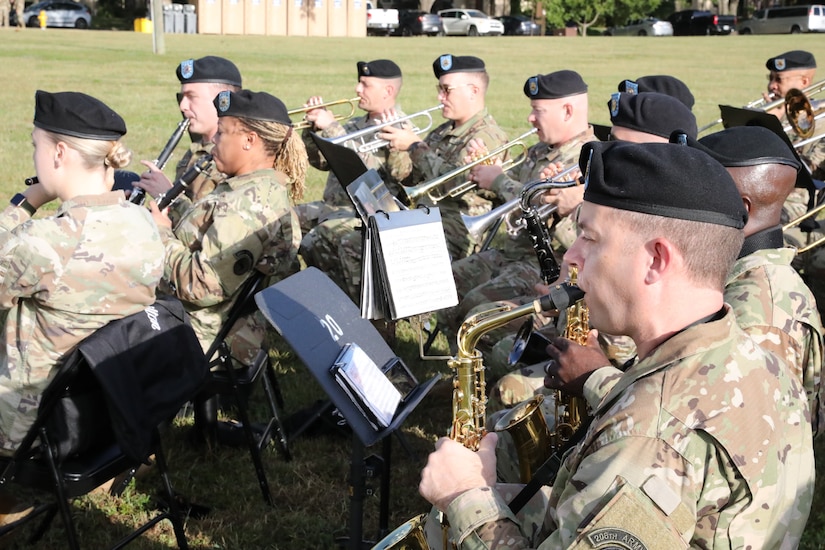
x: 789, y: 19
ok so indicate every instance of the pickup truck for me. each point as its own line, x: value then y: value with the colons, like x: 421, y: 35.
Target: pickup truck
x: 700, y: 22
x: 381, y: 20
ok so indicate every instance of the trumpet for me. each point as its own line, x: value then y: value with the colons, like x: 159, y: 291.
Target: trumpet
x: 163, y: 157
x: 477, y: 226
x: 374, y: 143
x: 417, y: 192
x: 304, y: 124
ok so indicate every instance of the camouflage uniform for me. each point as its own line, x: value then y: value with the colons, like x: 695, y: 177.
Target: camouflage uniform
x: 444, y: 150
x: 18, y: 9
x: 4, y: 13
x: 246, y: 223
x: 202, y: 185
x: 774, y: 306
x: 62, y: 278
x: 648, y: 470
x: 508, y: 275
x: 328, y: 223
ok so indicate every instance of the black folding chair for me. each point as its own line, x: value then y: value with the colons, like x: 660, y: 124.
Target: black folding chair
x: 228, y: 379
x: 80, y: 441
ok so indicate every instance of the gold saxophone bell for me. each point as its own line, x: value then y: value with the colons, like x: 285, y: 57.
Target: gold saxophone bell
x: 304, y: 124
x: 535, y: 442
x: 470, y: 396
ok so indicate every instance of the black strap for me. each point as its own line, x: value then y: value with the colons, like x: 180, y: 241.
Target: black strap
x: 546, y: 473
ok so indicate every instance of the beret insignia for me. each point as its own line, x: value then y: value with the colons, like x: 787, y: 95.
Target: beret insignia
x: 614, y: 103
x: 631, y: 87
x: 446, y: 62
x: 365, y: 70
x: 533, y: 85
x: 187, y: 68
x: 223, y: 101
x: 779, y: 63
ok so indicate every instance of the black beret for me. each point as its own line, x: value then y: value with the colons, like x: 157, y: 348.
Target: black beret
x: 652, y: 113
x: 380, y: 68
x: 747, y: 146
x: 76, y: 114
x: 209, y: 69
x: 661, y: 179
x: 661, y: 83
x: 254, y: 105
x: 448, y: 63
x: 554, y: 85
x: 789, y: 61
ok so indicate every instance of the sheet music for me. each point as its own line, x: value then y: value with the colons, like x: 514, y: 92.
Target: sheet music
x: 415, y: 262
x: 370, y: 388
x: 370, y: 195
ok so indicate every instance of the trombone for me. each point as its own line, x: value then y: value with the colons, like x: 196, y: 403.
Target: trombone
x: 417, y: 192
x: 304, y: 124
x: 793, y: 223
x: 371, y: 131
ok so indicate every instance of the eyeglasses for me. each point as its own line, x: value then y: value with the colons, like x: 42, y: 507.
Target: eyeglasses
x: 444, y: 90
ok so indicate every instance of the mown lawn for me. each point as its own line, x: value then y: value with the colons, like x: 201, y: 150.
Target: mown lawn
x: 312, y: 492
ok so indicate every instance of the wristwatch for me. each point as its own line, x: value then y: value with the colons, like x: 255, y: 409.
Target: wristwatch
x: 19, y: 200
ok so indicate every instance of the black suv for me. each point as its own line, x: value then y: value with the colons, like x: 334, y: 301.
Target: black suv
x: 699, y: 22
x: 416, y: 22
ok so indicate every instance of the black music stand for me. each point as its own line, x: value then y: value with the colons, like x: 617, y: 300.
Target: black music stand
x: 318, y: 319
x: 343, y: 161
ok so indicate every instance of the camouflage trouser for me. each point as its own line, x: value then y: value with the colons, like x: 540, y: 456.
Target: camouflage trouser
x: 320, y: 248
x: 313, y: 213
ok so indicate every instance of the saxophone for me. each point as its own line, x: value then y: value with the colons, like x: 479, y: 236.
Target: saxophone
x: 469, y: 392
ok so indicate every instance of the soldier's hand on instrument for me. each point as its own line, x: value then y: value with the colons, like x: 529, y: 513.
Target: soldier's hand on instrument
x: 567, y: 199
x: 453, y: 469
x: 483, y: 175
x: 475, y: 149
x: 161, y: 218
x: 153, y: 180
x: 399, y: 139
x: 570, y: 364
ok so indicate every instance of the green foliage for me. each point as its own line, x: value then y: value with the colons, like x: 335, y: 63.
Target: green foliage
x: 311, y: 492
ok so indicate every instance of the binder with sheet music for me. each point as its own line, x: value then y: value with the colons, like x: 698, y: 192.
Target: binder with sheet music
x: 406, y: 265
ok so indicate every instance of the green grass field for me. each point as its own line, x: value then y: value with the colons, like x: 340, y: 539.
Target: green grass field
x: 311, y: 492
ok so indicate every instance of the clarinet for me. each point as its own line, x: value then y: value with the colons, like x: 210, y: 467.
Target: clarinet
x: 537, y: 230
x: 138, y: 194
x: 183, y: 183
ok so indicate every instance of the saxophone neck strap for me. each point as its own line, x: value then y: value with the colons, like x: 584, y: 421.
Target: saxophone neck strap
x: 546, y: 473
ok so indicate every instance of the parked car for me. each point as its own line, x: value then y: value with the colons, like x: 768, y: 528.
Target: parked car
x: 700, y: 22
x: 381, y: 21
x: 649, y: 26
x: 519, y: 25
x: 59, y: 13
x: 470, y: 23
x: 788, y: 19
x: 417, y: 22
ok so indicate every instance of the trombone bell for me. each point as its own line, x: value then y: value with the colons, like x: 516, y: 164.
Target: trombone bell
x: 304, y: 124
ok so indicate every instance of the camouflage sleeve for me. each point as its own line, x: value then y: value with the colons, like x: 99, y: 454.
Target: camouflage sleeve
x: 429, y: 163
x: 815, y: 158
x: 210, y: 273
x: 598, y: 385
x: 399, y: 166
x: 23, y: 258
x: 795, y: 205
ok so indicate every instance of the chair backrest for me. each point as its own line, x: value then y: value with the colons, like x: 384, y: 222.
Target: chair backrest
x: 146, y: 365
x: 244, y: 304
